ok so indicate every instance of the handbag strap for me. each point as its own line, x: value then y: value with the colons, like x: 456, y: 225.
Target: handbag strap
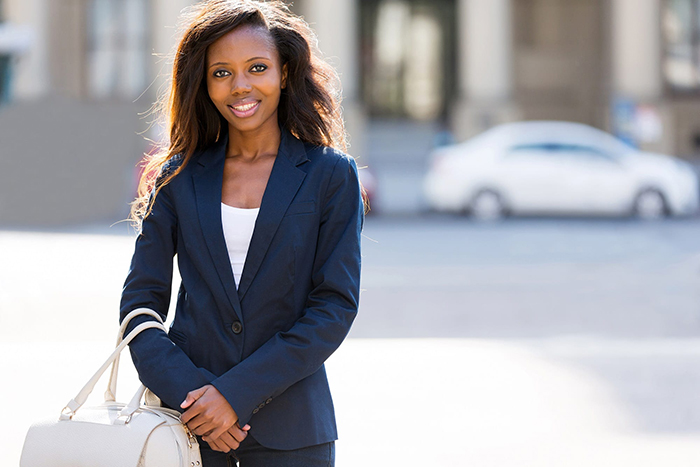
x: 74, y: 404
x: 111, y: 392
x: 128, y: 410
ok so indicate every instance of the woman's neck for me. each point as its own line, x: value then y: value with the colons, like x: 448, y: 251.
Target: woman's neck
x: 252, y: 144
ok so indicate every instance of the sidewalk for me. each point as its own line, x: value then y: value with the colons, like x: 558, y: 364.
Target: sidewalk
x: 435, y: 402
x: 429, y: 402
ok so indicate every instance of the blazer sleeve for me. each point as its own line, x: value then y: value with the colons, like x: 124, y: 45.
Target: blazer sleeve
x: 331, y: 306
x: 162, y: 366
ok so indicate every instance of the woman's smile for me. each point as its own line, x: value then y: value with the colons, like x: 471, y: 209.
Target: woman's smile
x: 244, y: 110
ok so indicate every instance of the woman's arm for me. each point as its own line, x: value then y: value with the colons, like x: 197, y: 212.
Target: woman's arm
x: 162, y: 366
x: 330, y: 307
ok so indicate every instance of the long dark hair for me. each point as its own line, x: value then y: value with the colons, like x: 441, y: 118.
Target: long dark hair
x: 309, y: 105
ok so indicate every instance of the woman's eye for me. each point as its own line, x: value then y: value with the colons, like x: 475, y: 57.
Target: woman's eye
x: 259, y: 67
x: 220, y: 73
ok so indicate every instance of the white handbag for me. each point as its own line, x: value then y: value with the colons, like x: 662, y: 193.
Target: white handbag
x: 112, y: 434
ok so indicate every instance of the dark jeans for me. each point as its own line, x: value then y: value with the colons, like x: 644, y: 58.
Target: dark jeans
x: 252, y: 454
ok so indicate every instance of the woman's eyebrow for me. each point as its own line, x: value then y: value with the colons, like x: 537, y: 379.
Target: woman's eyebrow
x: 257, y: 58
x: 249, y: 60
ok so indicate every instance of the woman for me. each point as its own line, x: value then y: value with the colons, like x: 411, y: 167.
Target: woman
x: 264, y: 212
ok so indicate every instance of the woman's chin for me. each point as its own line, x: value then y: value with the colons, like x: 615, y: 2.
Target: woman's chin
x: 251, y: 124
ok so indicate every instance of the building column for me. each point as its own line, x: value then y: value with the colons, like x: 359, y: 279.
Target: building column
x: 338, y: 42
x: 636, y: 48
x: 637, y: 77
x: 485, y: 51
x: 31, y: 70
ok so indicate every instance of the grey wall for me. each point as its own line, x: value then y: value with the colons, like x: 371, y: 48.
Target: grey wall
x: 68, y: 162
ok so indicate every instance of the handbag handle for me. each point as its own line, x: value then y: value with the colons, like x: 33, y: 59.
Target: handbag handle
x: 74, y: 404
x: 124, y: 415
x: 111, y: 392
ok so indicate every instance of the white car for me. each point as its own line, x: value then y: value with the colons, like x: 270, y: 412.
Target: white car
x: 542, y: 167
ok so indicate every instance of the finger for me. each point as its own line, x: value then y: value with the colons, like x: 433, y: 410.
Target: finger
x: 214, y: 447
x: 223, y: 446
x: 204, y: 429
x: 192, y: 416
x: 218, y: 431
x: 218, y: 446
x: 246, y: 427
x: 191, y: 413
x: 230, y: 441
x: 192, y: 396
x: 198, y: 424
x: 237, y: 433
x: 188, y: 415
x: 226, y: 439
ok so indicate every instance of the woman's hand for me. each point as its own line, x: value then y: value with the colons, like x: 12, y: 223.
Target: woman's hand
x: 230, y: 440
x: 208, y: 413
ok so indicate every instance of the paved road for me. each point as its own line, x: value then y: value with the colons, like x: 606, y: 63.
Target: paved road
x: 532, y: 342
x: 447, y: 277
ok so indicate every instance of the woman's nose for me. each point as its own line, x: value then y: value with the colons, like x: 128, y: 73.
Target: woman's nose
x: 240, y: 84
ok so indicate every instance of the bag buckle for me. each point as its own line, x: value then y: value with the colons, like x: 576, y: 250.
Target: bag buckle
x: 66, y: 413
x: 190, y: 435
x: 123, y: 419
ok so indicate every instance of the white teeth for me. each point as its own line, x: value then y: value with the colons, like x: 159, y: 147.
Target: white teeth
x: 243, y: 108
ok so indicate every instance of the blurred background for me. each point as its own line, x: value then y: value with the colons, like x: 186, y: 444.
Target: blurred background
x: 531, y: 261
x: 76, y: 77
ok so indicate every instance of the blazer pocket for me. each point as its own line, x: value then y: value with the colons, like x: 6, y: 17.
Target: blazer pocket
x: 305, y: 207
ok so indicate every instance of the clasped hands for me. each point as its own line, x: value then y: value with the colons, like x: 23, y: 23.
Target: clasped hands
x: 210, y: 416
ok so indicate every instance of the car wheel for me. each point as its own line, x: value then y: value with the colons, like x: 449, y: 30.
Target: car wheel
x: 487, y: 205
x: 650, y: 204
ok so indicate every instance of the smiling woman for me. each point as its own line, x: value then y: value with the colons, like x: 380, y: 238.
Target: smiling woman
x: 245, y: 79
x: 263, y: 209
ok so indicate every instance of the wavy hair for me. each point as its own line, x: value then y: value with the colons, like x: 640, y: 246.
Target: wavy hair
x: 309, y: 105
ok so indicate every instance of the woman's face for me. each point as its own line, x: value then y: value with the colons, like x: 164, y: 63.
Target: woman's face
x: 245, y: 78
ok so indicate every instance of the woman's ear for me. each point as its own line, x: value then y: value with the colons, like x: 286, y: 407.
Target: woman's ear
x: 284, y: 76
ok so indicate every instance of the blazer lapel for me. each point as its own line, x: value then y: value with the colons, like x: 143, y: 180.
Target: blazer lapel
x: 207, y: 185
x: 284, y: 182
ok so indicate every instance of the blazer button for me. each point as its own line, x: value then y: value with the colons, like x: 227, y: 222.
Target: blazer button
x: 236, y: 327
x: 256, y: 410
x: 269, y: 400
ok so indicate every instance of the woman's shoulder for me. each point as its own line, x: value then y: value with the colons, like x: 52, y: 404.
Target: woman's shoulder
x: 326, y: 156
x: 168, y: 168
x: 172, y: 164
x: 330, y: 167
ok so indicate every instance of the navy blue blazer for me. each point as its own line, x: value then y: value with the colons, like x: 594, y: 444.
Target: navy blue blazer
x: 262, y: 346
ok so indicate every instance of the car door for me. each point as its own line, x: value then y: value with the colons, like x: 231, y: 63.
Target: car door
x: 540, y: 178
x: 605, y: 184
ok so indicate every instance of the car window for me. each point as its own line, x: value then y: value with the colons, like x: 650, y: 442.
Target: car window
x: 562, y: 150
x: 536, y: 147
x: 590, y: 152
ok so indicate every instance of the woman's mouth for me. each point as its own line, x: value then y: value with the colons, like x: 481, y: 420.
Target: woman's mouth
x: 244, y: 110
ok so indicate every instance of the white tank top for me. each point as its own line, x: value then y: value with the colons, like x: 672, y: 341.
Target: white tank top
x: 238, y: 224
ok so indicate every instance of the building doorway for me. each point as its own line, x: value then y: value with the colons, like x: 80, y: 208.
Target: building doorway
x: 408, y: 58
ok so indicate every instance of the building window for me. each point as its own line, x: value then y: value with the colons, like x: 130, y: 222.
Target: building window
x: 4, y: 65
x: 681, y: 33
x: 117, y: 48
x: 408, y: 57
